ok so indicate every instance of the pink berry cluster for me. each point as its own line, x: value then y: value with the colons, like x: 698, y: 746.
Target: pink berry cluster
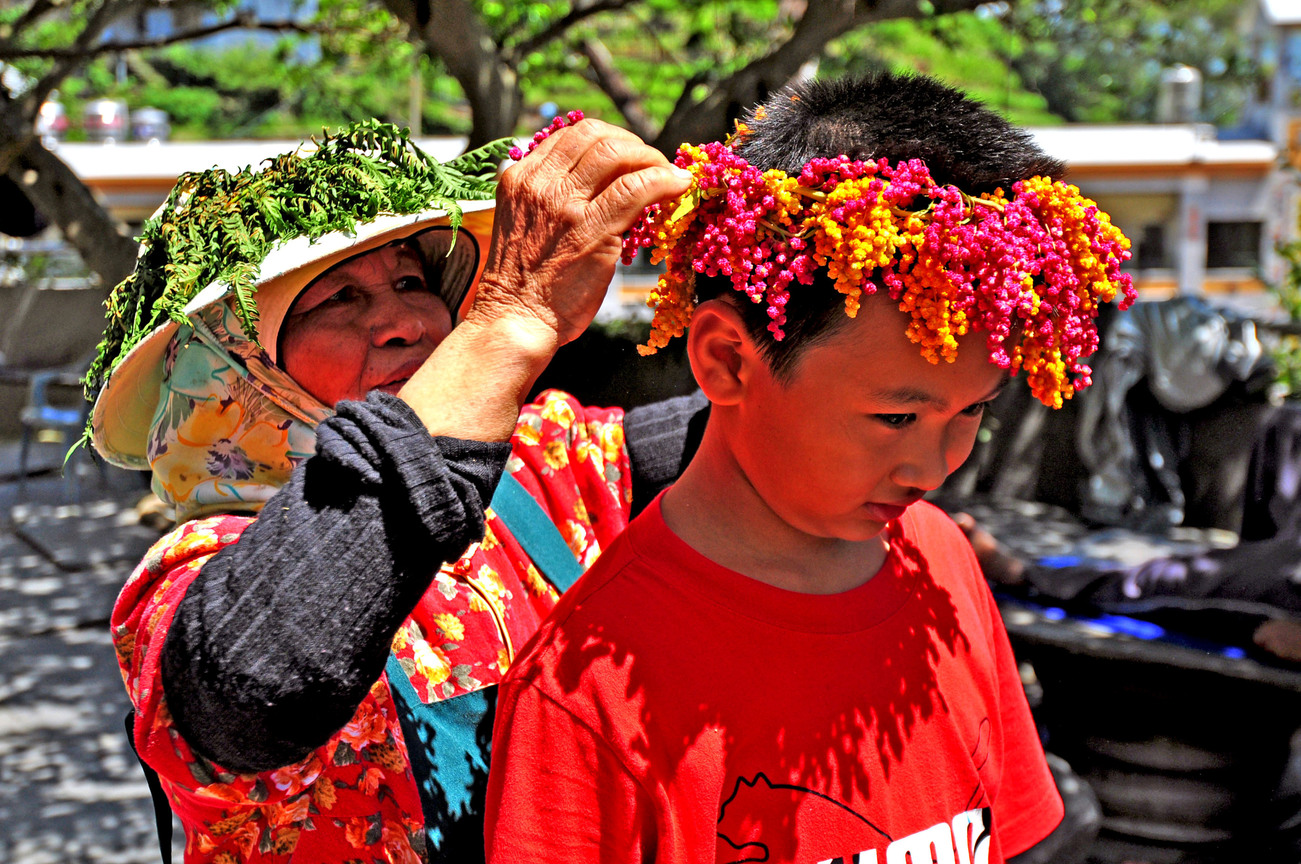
x: 1029, y: 270
x: 560, y: 122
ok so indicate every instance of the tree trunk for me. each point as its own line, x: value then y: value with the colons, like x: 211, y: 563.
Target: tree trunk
x: 62, y: 198
x: 454, y: 33
x: 711, y: 118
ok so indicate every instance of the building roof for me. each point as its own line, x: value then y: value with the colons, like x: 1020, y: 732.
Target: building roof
x: 1154, y: 146
x: 97, y: 163
x: 1081, y: 147
x: 1283, y: 12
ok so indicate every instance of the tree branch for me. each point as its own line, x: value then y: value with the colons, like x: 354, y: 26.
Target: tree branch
x: 557, y: 28
x: 823, y: 20
x: 61, y: 197
x: 616, y: 86
x: 453, y: 31
x: 32, y: 15
x: 243, y: 21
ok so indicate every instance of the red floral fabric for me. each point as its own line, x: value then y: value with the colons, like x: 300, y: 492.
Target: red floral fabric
x: 355, y: 799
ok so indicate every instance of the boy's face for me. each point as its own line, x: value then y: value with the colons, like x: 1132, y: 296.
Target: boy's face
x: 863, y: 427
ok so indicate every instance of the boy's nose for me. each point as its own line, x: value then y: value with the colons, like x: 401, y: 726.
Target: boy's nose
x: 925, y: 469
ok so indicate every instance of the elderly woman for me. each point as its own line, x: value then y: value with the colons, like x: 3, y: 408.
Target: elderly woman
x: 310, y: 655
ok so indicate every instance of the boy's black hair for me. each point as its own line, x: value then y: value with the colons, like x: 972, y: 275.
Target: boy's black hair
x: 899, y: 117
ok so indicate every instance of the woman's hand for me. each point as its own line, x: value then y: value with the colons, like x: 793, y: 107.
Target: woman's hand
x: 561, y: 215
x: 557, y: 235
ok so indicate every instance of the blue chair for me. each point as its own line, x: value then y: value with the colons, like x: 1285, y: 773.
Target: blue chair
x: 40, y: 414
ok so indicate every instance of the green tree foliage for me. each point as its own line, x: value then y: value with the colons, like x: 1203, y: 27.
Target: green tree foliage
x: 1100, y: 61
x: 670, y: 70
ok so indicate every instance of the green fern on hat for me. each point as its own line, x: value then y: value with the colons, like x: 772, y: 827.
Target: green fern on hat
x: 218, y: 226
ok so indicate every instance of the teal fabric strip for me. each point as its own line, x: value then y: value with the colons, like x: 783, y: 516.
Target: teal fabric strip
x: 449, y: 742
x: 532, y: 527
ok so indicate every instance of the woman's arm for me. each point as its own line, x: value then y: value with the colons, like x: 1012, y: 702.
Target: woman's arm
x: 277, y: 640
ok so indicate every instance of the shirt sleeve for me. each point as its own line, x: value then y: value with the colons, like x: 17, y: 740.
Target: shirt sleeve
x: 662, y: 438
x: 557, y: 792
x: 1027, y: 806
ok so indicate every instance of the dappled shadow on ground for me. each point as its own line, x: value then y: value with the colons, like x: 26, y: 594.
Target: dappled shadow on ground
x: 70, y: 789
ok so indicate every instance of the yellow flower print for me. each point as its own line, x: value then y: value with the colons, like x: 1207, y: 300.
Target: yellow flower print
x: 197, y: 541
x: 449, y: 626
x: 576, y: 536
x: 489, y: 540
x: 431, y: 664
x: 535, y: 583
x: 557, y: 409
x: 555, y: 455
x: 611, y: 437
x: 503, y: 660
x: 491, y: 584
x: 529, y: 431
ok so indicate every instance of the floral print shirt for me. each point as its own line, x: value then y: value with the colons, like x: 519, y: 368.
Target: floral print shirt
x: 355, y: 798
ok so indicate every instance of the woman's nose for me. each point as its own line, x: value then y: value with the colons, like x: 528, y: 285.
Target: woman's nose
x: 393, y: 322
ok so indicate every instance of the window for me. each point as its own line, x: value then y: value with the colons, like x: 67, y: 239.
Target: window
x: 1150, y: 253
x: 1233, y: 244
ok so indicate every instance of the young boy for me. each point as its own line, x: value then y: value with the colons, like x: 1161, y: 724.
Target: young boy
x: 790, y: 657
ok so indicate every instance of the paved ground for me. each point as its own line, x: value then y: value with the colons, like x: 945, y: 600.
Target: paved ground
x: 70, y: 788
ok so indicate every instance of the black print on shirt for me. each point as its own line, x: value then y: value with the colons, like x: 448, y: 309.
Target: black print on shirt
x: 761, y: 824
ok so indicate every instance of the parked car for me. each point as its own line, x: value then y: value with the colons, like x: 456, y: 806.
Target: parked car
x: 150, y: 124
x: 52, y: 121
x: 105, y: 120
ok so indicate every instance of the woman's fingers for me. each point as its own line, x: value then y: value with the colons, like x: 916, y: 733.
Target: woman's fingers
x: 561, y: 214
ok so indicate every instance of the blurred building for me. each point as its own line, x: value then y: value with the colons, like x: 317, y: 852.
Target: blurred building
x: 1203, y: 214
x: 1204, y: 208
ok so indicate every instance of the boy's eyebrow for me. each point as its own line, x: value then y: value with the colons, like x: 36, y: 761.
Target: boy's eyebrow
x: 906, y: 395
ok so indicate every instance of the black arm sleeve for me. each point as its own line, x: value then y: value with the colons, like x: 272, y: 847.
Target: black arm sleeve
x: 662, y: 437
x: 280, y: 636
x: 282, y: 633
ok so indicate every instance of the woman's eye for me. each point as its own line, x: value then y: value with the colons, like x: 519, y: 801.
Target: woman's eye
x: 895, y: 421
x: 975, y: 410
x: 410, y: 283
x: 343, y: 295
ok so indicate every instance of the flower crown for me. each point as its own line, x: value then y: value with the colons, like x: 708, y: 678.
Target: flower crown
x: 1030, y: 270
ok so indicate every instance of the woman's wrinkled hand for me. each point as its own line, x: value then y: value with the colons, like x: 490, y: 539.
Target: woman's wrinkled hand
x: 561, y: 214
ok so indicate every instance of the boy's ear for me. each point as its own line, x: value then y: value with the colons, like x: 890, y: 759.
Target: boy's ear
x: 721, y: 352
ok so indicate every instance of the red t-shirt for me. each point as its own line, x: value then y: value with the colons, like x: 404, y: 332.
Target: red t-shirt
x: 673, y: 710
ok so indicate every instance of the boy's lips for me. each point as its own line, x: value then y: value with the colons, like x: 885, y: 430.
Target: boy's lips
x: 881, y: 512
